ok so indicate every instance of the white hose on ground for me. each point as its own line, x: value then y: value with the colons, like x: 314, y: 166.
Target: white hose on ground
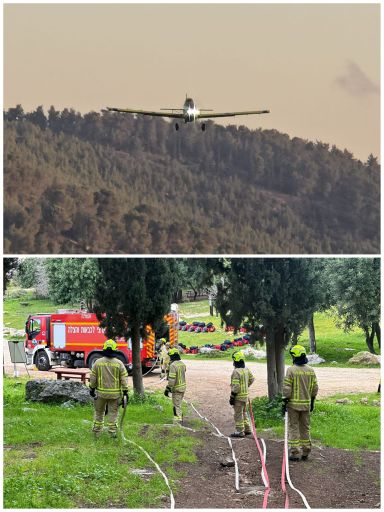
x: 287, y: 463
x: 153, y: 462
x: 220, y: 434
x: 265, y: 461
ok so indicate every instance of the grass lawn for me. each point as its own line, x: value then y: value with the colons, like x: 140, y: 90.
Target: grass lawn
x: 16, y: 310
x: 333, y: 344
x: 51, y: 459
x: 355, y: 426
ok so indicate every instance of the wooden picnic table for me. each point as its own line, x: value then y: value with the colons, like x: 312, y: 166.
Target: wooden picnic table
x: 72, y: 373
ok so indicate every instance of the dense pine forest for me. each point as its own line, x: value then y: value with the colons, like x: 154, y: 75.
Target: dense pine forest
x: 110, y: 183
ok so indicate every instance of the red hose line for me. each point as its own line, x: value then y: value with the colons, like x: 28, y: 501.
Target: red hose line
x: 264, y: 469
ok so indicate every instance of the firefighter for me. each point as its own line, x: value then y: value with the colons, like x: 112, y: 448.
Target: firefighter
x: 109, y: 378
x: 299, y: 393
x: 241, y: 379
x: 164, y: 358
x: 176, y: 383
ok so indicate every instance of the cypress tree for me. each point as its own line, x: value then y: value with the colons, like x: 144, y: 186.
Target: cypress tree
x: 133, y: 293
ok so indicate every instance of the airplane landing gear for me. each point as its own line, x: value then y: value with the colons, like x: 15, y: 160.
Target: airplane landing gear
x: 203, y: 127
x: 176, y: 126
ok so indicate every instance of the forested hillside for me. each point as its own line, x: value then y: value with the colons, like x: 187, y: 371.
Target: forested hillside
x: 110, y: 183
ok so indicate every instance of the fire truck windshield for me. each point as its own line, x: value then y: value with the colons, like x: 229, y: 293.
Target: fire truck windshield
x: 33, y: 326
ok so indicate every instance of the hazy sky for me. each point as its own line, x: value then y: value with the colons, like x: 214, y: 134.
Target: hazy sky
x: 315, y: 66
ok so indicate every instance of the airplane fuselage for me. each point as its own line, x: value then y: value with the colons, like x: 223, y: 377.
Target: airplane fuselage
x: 190, y: 111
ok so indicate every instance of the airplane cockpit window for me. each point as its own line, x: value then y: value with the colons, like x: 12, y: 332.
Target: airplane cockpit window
x: 189, y: 102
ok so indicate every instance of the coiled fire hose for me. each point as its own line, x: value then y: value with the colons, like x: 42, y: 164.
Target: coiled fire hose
x: 125, y: 402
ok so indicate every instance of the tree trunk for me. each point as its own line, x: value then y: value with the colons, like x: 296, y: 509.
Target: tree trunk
x: 255, y: 342
x: 279, y: 355
x: 137, y: 375
x: 369, y: 339
x: 177, y: 296
x: 376, y: 327
x: 271, y: 366
x: 312, y: 335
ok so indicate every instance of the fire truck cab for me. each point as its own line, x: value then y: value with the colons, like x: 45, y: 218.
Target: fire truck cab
x: 75, y: 339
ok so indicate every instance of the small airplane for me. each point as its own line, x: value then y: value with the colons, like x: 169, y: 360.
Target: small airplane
x: 189, y: 113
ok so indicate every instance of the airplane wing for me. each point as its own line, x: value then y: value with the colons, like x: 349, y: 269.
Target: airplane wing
x: 232, y: 114
x: 175, y: 113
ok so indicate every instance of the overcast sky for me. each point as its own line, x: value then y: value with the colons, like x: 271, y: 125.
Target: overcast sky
x: 315, y: 66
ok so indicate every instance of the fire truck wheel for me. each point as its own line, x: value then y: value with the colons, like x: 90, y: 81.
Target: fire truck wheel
x: 42, y: 361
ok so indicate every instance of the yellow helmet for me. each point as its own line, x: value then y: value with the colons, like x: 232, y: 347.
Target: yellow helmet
x: 238, y: 356
x: 173, y: 351
x: 163, y: 340
x: 110, y: 344
x: 297, y: 351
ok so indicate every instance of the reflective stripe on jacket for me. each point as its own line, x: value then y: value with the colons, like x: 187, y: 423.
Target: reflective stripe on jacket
x: 241, y: 379
x: 176, y: 377
x: 300, y: 385
x: 109, y: 376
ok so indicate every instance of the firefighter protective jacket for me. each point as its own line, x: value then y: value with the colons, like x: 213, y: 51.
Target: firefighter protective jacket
x: 241, y: 379
x: 176, y: 377
x: 300, y: 385
x: 109, y: 376
x: 164, y: 355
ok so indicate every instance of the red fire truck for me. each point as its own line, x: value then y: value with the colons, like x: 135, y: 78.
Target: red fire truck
x: 75, y: 339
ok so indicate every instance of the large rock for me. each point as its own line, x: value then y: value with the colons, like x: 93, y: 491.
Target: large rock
x: 315, y: 359
x: 57, y: 391
x: 344, y: 401
x: 254, y: 353
x: 207, y: 350
x: 364, y: 358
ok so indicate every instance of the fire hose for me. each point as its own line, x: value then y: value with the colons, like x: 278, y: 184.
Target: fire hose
x: 264, y: 473
x: 125, y: 402
x: 220, y: 434
x: 152, y: 367
x: 287, y: 463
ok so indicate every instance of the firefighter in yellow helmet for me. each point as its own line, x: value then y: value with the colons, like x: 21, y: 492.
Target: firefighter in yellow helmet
x: 164, y: 358
x: 176, y: 383
x: 241, y: 379
x: 299, y: 393
x: 108, y: 382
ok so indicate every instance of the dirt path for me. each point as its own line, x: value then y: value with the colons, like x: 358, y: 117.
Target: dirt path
x: 211, y: 379
x: 331, y: 478
x: 208, y: 385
